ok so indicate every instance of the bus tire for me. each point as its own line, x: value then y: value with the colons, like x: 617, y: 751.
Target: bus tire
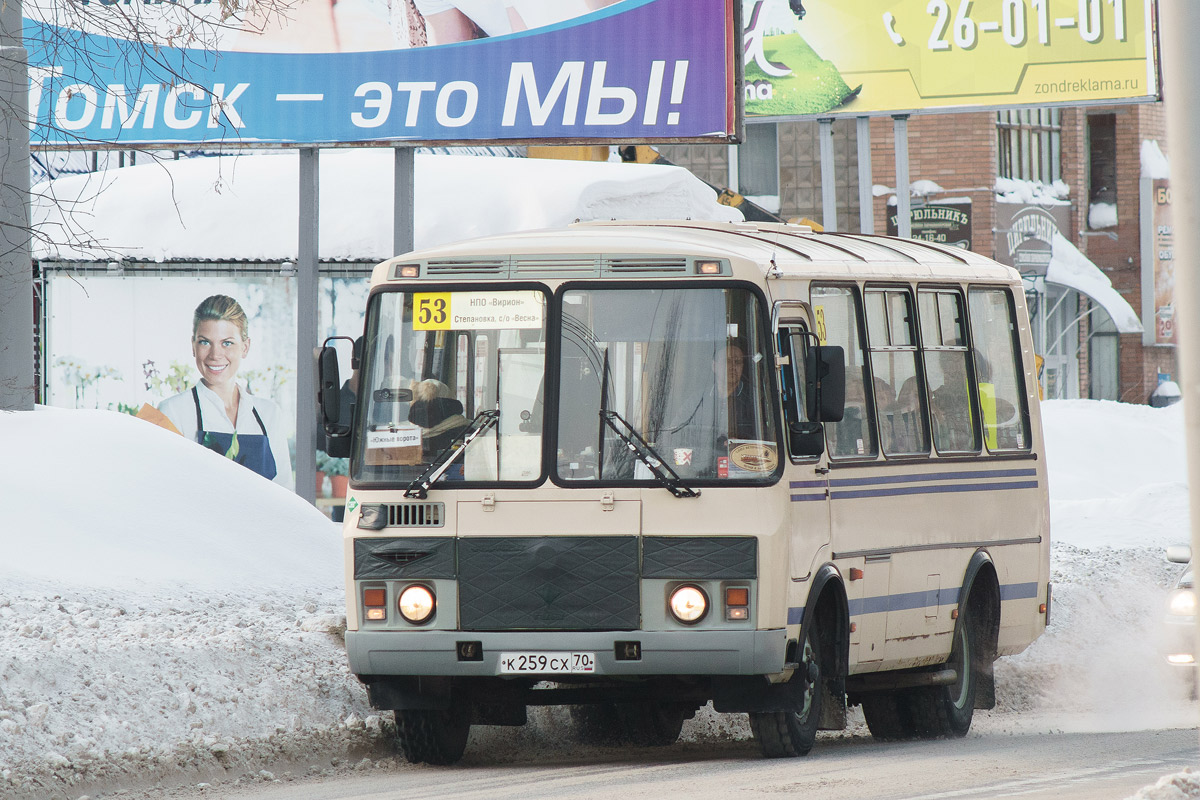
x: 956, y: 702
x: 433, y: 737
x: 887, y: 715
x: 640, y: 724
x: 597, y: 724
x: 787, y: 734
x: 652, y: 724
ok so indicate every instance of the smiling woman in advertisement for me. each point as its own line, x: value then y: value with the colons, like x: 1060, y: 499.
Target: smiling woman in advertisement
x: 218, y: 412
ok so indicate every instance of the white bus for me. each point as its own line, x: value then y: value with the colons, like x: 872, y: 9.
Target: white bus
x: 634, y: 468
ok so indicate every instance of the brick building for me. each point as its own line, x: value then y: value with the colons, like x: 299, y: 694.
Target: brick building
x: 1089, y: 339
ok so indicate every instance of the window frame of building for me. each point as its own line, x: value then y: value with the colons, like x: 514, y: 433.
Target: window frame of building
x: 1030, y: 144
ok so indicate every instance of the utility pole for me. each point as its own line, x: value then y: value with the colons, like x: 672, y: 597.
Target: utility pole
x: 1180, y: 25
x: 16, y: 266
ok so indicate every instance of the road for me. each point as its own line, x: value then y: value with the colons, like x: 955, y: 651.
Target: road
x: 1031, y: 766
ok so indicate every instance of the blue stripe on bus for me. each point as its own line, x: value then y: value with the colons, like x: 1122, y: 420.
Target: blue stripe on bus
x: 959, y: 487
x: 935, y: 476
x: 912, y: 600
x: 986, y: 482
x: 1018, y: 591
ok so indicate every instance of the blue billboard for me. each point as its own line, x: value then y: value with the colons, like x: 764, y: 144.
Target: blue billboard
x: 585, y: 70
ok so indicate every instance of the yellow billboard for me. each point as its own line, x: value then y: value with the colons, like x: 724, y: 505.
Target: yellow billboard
x: 823, y: 58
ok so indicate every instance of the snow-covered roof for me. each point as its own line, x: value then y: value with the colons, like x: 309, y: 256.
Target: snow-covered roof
x: 1069, y: 267
x: 246, y: 207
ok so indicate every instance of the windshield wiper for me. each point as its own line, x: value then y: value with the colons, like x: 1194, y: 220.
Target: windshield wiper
x: 419, y: 488
x: 641, y: 449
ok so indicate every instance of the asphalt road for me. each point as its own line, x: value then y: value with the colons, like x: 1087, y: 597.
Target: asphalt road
x: 1061, y: 766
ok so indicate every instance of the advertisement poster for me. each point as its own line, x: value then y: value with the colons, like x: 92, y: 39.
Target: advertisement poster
x: 1025, y: 234
x: 123, y: 342
x: 945, y: 222
x: 817, y: 58
x: 429, y: 71
x: 1164, y: 265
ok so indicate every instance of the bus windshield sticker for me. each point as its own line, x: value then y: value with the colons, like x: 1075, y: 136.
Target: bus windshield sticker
x: 749, y: 455
x: 465, y: 311
x: 402, y: 436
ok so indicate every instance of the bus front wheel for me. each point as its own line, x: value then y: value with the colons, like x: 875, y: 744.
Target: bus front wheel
x: 433, y: 737
x: 785, y: 734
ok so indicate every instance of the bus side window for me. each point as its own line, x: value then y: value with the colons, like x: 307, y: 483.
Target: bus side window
x: 946, y: 356
x: 898, y: 393
x: 839, y: 322
x: 997, y: 370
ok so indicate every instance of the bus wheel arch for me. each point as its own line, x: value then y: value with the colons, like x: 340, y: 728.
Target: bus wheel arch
x: 979, y: 607
x: 828, y: 606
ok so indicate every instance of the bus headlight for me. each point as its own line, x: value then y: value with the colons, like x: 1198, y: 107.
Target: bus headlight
x: 416, y: 604
x: 689, y: 604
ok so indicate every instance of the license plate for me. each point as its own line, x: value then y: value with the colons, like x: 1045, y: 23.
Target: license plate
x: 553, y: 663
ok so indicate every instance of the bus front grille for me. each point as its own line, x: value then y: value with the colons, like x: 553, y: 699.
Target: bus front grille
x: 416, y: 515
x: 548, y: 583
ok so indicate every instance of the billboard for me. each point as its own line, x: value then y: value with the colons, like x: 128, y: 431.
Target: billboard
x: 121, y: 342
x: 818, y: 58
x: 1026, y: 234
x: 945, y: 222
x: 420, y: 71
x: 1160, y: 242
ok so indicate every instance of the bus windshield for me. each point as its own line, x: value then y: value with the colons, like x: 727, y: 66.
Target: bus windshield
x: 685, y: 368
x: 433, y: 362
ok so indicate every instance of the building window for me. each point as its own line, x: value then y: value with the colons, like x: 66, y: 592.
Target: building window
x: 758, y: 161
x: 1030, y: 144
x: 1102, y: 171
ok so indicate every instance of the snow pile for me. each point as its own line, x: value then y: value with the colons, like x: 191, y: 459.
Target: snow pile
x: 1118, y: 498
x: 1012, y: 190
x: 167, y: 617
x: 1180, y: 786
x: 1154, y: 163
x: 1102, y: 215
x: 213, y: 208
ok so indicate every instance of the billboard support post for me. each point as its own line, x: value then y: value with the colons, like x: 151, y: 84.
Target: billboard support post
x: 903, y: 201
x: 307, y: 329
x: 404, y: 217
x: 828, y: 181
x: 866, y: 203
x: 16, y: 272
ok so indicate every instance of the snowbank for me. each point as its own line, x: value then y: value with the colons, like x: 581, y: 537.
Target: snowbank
x: 217, y: 208
x: 166, y: 617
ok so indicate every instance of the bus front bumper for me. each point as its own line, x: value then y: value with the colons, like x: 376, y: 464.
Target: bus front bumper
x: 688, y: 652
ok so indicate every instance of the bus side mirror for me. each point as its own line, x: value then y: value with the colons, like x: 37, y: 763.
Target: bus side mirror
x: 329, y: 392
x: 806, y: 438
x: 825, y: 374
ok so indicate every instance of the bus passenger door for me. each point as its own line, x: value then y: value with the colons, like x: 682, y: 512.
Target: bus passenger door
x: 807, y: 475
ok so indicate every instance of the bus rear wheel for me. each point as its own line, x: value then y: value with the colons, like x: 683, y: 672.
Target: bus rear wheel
x: 928, y: 713
x: 642, y: 724
x: 433, y: 737
x: 786, y: 734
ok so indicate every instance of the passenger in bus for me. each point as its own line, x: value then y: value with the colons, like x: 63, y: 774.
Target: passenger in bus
x: 950, y: 407
x: 438, y: 414
x: 218, y: 411
x: 904, y: 420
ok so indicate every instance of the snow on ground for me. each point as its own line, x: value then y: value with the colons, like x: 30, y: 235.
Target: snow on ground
x: 164, y: 619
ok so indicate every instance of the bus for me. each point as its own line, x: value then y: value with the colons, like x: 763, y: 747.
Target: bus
x: 635, y: 468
